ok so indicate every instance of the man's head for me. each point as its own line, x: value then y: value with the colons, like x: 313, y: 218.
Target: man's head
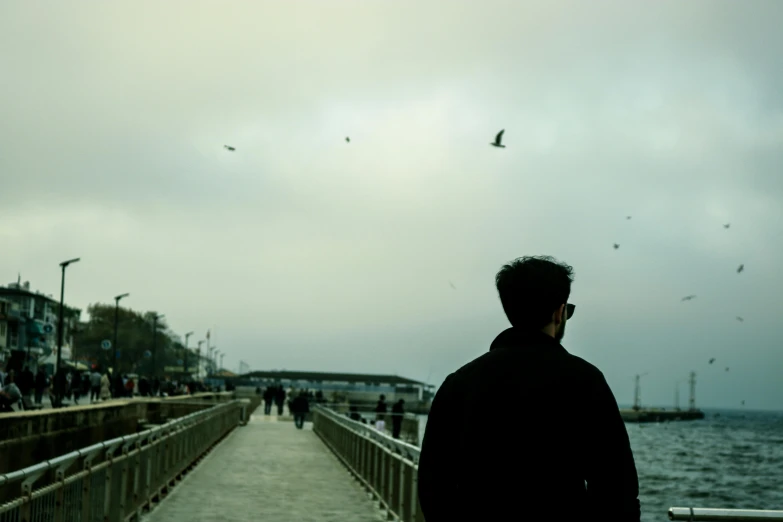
x: 534, y: 292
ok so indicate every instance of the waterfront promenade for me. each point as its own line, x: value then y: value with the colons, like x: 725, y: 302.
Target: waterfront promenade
x: 270, y: 471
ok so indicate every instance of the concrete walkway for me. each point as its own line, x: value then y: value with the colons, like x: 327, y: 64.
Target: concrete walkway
x: 270, y: 471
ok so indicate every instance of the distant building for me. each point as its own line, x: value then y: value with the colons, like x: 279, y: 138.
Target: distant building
x: 28, y: 327
x: 354, y: 387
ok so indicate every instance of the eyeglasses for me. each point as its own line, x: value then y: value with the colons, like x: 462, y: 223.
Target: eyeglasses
x: 570, y: 310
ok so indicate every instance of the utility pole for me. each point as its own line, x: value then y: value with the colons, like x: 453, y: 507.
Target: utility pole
x: 692, y: 399
x: 116, y: 324
x: 637, y: 394
x: 677, y: 396
x: 155, y: 318
x: 187, y: 336
x: 198, y: 359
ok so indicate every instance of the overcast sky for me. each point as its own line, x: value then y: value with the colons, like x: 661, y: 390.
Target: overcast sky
x: 304, y: 252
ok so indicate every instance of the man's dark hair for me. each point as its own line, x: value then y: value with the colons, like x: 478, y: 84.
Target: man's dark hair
x: 531, y: 288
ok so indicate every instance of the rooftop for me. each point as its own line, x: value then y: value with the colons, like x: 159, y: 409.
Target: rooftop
x: 334, y: 377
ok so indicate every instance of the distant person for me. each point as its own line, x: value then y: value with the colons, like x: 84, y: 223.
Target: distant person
x: 380, y: 414
x: 280, y: 399
x: 155, y: 386
x: 105, y: 387
x: 59, y: 385
x: 567, y: 455
x: 10, y: 394
x: 398, y: 413
x: 26, y: 382
x: 354, y: 413
x: 269, y: 397
x: 300, y: 407
x: 144, y: 386
x: 40, y: 385
x: 95, y: 386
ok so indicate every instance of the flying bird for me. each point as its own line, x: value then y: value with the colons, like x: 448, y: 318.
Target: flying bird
x: 740, y: 319
x: 740, y: 268
x: 228, y: 147
x: 627, y: 217
x: 743, y: 402
x: 688, y: 297
x: 347, y: 139
x: 498, y: 138
x: 727, y: 368
x: 616, y: 246
x: 727, y: 225
x: 712, y: 360
x: 452, y: 285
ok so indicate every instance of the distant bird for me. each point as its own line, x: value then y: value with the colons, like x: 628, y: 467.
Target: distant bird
x: 712, y: 360
x: 740, y: 319
x: 627, y: 217
x: 232, y: 149
x: 727, y: 225
x: 740, y: 268
x: 452, y: 285
x: 688, y: 297
x: 347, y: 139
x: 616, y: 246
x: 727, y: 368
x: 743, y: 402
x: 498, y: 138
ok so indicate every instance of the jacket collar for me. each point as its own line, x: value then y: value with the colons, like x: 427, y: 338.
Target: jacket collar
x: 513, y: 338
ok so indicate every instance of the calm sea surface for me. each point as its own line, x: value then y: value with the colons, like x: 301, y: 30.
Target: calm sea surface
x: 731, y: 459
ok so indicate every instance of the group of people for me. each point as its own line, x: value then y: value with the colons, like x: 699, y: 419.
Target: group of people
x: 73, y: 385
x: 298, y: 402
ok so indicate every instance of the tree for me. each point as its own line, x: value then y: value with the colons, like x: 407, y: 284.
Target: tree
x: 134, y: 340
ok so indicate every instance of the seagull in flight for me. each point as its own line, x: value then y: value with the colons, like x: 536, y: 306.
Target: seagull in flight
x: 230, y: 148
x: 740, y: 268
x: 712, y: 360
x: 727, y: 225
x: 727, y: 368
x: 498, y: 138
x: 452, y: 285
x: 627, y: 217
x: 740, y: 319
x: 688, y: 297
x: 616, y: 246
x: 347, y: 139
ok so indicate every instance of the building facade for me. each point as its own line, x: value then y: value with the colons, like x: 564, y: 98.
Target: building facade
x: 28, y: 327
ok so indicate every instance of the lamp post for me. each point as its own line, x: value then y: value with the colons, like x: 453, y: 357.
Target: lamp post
x: 198, y: 359
x: 116, y: 323
x: 155, y: 318
x: 214, y: 361
x: 221, y: 360
x: 187, y: 336
x: 60, y: 326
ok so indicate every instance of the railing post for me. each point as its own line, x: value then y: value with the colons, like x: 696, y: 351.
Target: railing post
x: 408, y: 508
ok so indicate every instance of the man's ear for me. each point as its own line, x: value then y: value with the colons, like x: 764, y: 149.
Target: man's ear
x: 558, y: 315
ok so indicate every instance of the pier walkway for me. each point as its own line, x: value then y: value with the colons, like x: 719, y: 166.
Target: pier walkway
x: 270, y: 471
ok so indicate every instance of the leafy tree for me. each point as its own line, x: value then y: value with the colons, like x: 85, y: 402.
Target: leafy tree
x: 134, y: 341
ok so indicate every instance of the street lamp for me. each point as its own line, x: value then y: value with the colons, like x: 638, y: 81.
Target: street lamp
x: 116, y: 323
x: 221, y: 360
x: 214, y: 361
x: 187, y: 336
x: 60, y: 326
x: 155, y: 318
x: 198, y: 359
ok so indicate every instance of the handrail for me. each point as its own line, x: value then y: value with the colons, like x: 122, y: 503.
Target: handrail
x: 405, y: 449
x: 385, y: 466
x: 118, y: 478
x: 718, y: 515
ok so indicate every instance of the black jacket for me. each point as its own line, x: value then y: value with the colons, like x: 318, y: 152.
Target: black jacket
x: 527, y: 432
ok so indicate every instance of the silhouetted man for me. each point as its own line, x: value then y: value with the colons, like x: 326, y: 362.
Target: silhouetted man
x: 280, y: 399
x: 40, y: 385
x: 269, y: 397
x: 567, y: 457
x: 299, y: 407
x: 398, y: 412
x: 380, y: 414
x: 26, y: 381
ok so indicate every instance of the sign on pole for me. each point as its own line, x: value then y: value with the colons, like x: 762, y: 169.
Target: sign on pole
x: 106, y: 344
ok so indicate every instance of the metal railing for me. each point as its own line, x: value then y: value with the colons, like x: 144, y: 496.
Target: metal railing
x: 386, y: 467
x: 718, y: 515
x: 117, y: 480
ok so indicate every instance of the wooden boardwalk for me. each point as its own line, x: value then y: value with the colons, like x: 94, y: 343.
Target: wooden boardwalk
x: 270, y: 471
